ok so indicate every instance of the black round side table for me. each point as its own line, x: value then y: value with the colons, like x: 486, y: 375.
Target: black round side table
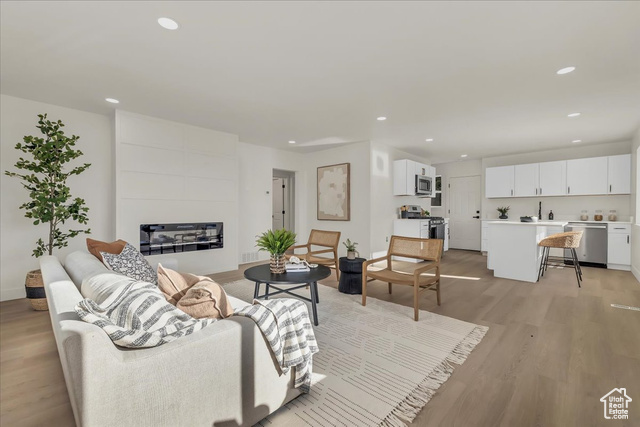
x: 351, y: 275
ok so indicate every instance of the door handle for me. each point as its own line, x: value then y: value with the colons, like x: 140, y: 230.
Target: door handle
x: 627, y: 240
x: 477, y: 217
x: 609, y: 188
x: 536, y: 191
x: 540, y: 190
x: 568, y: 190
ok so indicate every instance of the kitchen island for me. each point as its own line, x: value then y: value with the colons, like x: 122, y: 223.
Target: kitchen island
x: 513, y: 251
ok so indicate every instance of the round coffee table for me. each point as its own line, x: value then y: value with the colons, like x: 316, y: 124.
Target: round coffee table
x: 262, y: 274
x: 351, y: 275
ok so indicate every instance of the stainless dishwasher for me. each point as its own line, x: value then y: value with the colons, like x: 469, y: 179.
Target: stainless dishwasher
x: 593, y: 246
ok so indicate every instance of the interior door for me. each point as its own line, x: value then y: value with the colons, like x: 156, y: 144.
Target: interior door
x: 278, y: 212
x: 464, y: 212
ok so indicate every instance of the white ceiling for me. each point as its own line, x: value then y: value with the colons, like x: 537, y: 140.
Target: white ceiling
x: 478, y: 77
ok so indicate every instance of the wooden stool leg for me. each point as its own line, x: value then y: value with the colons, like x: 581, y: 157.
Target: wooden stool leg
x: 389, y: 287
x: 415, y: 301
x: 544, y: 249
x: 576, y: 265
x: 364, y: 286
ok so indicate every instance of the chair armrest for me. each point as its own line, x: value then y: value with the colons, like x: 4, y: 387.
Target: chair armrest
x: 373, y: 261
x: 430, y: 266
x: 324, y: 251
x: 293, y: 248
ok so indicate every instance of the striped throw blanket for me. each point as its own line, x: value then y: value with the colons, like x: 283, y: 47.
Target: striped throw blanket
x: 137, y: 315
x: 285, y: 324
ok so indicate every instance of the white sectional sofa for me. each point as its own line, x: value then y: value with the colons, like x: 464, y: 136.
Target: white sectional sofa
x: 223, y: 375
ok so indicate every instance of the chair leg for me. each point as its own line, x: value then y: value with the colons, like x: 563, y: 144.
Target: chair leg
x: 544, y: 249
x: 576, y: 266
x: 415, y: 301
x: 389, y: 287
x: 364, y: 286
x: 438, y: 291
x: 546, y: 261
x: 575, y: 254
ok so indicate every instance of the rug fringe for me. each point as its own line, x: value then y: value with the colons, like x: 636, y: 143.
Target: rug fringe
x: 409, y: 408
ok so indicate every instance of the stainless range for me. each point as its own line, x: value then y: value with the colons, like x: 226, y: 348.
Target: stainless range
x: 593, y: 246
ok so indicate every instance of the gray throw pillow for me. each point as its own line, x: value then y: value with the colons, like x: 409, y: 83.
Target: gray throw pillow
x: 131, y: 263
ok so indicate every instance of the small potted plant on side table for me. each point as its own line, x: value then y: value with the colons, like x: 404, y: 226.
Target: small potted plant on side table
x: 351, y: 249
x: 276, y: 243
x: 503, y: 212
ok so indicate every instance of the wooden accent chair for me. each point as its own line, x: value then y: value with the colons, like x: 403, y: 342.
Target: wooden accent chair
x: 409, y: 247
x: 324, y: 239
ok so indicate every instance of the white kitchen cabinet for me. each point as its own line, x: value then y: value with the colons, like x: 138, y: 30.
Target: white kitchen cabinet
x: 404, y: 178
x: 619, y: 174
x: 499, y: 182
x: 587, y: 176
x: 553, y: 178
x: 619, y: 246
x: 526, y: 182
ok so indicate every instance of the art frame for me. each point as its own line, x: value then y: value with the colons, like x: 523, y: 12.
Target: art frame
x: 334, y: 192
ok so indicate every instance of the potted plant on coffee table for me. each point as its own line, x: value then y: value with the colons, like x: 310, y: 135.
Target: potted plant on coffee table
x: 276, y: 243
x: 503, y: 212
x: 351, y: 249
x: 50, y: 202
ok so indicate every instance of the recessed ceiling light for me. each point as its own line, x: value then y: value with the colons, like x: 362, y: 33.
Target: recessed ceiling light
x: 429, y: 139
x: 463, y: 155
x: 575, y: 141
x: 168, y: 23
x: 112, y: 100
x: 292, y: 142
x: 573, y: 115
x: 565, y: 70
x: 381, y: 118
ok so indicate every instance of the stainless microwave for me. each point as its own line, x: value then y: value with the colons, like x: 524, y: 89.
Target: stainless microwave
x: 424, y: 185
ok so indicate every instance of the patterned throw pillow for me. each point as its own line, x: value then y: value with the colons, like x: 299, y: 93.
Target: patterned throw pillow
x: 131, y: 263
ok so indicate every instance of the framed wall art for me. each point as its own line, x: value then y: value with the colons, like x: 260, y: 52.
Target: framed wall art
x: 334, y: 192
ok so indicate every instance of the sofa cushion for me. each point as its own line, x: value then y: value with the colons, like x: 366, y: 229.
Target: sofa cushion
x: 206, y: 299
x: 96, y: 246
x: 100, y: 286
x: 131, y: 263
x: 81, y: 264
x: 173, y: 284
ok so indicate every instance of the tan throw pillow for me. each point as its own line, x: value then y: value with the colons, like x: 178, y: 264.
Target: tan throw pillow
x: 174, y: 285
x: 96, y: 246
x: 206, y: 299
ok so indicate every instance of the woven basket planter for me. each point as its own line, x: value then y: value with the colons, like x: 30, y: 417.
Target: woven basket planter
x: 276, y: 263
x: 35, y: 290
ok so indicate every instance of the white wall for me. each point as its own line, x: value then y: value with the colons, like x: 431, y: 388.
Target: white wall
x: 564, y: 207
x: 18, y: 117
x: 168, y: 172
x: 357, y: 229
x: 385, y: 207
x: 256, y: 165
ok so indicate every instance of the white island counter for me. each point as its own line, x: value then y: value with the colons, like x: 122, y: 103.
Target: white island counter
x: 513, y: 251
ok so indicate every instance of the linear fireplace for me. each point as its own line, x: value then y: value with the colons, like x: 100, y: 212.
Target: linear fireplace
x: 156, y: 239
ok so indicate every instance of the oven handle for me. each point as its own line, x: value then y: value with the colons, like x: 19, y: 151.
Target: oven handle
x: 601, y: 227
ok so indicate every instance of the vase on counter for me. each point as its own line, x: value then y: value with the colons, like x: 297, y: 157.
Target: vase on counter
x: 503, y: 217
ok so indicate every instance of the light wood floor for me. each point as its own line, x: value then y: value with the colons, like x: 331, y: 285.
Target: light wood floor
x: 551, y: 352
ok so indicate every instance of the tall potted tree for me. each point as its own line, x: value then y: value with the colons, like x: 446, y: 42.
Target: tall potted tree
x: 50, y: 202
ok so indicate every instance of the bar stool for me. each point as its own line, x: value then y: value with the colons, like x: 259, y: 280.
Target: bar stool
x: 569, y: 240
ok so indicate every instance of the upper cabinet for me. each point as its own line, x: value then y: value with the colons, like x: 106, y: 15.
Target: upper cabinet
x: 587, y: 177
x: 619, y: 174
x: 553, y: 178
x: 526, y: 182
x: 579, y: 177
x: 404, y: 176
x: 499, y: 181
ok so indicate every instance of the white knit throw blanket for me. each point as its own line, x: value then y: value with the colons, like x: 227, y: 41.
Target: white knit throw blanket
x: 138, y: 316
x: 286, y: 326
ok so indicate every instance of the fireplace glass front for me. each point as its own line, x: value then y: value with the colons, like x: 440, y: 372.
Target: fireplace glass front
x: 156, y: 239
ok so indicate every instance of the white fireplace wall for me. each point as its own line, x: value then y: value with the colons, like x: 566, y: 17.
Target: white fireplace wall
x: 168, y: 172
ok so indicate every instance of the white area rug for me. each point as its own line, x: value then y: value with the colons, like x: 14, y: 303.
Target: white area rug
x: 376, y: 366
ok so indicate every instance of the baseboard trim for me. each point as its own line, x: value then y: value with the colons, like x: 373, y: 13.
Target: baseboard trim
x: 13, y: 293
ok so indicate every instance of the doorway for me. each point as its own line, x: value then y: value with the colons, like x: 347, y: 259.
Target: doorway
x: 464, y: 212
x: 282, y: 212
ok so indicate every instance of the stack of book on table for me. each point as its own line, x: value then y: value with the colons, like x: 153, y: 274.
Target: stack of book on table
x: 293, y: 268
